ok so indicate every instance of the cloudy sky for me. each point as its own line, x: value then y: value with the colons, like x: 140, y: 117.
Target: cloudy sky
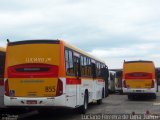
x: 112, y: 30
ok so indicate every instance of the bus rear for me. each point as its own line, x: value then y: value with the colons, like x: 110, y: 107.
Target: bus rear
x: 139, y: 78
x: 32, y: 73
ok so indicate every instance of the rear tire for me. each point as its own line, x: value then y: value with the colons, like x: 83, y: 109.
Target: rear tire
x: 130, y: 96
x: 99, y: 101
x: 107, y: 93
x: 154, y: 96
x: 121, y: 92
x: 84, y: 107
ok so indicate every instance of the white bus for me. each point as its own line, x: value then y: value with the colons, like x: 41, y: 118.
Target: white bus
x: 52, y: 73
x: 118, y: 81
x: 111, y: 81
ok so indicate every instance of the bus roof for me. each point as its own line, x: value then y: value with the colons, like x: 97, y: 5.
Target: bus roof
x: 81, y: 51
x: 51, y: 41
x: 33, y: 42
x: 138, y: 61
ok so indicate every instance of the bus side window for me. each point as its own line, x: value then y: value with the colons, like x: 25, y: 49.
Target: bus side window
x: 77, y: 67
x: 85, y: 66
x: 82, y: 66
x: 98, y: 69
x: 66, y: 62
x: 93, y: 70
x: 89, y: 68
x: 69, y: 62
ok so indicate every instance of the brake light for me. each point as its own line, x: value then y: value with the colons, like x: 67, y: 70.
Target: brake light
x: 6, y: 88
x: 59, y: 88
x: 138, y: 75
x: 152, y: 86
x: 32, y: 70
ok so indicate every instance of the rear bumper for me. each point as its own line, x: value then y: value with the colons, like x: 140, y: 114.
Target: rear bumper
x: 131, y: 90
x: 40, y: 102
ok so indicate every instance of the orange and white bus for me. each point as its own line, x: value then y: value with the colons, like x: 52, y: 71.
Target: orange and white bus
x: 52, y: 73
x: 2, y: 64
x: 139, y: 78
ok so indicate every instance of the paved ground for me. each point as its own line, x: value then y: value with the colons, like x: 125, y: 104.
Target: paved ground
x: 114, y: 104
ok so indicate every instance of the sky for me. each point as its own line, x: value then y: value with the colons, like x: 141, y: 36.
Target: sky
x: 111, y: 30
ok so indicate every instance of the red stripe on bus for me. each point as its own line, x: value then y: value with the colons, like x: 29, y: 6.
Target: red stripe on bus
x: 138, y: 75
x: 33, y: 70
x: 73, y: 81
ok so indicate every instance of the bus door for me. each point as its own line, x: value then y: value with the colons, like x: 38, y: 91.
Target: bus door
x: 78, y: 76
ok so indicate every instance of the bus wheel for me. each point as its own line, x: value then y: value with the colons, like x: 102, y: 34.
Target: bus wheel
x: 103, y: 93
x: 107, y: 93
x: 154, y: 96
x: 84, y: 107
x: 130, y: 97
x: 121, y: 92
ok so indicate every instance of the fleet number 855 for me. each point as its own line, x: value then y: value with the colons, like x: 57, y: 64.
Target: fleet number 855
x: 50, y: 89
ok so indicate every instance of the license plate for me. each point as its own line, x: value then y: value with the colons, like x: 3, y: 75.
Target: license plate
x: 138, y: 90
x: 31, y: 101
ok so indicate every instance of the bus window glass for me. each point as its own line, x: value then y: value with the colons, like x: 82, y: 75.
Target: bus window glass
x: 69, y: 62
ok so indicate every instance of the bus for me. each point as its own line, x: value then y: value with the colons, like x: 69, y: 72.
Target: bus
x: 139, y: 79
x: 52, y: 73
x: 2, y: 64
x: 111, y: 81
x: 118, y: 81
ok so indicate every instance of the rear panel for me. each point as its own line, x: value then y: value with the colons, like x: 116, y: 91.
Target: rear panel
x: 32, y: 69
x: 139, y: 75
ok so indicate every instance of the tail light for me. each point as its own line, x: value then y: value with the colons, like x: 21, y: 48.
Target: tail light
x: 124, y: 84
x: 6, y: 88
x: 33, y: 70
x: 152, y: 86
x: 138, y: 75
x: 59, y: 88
